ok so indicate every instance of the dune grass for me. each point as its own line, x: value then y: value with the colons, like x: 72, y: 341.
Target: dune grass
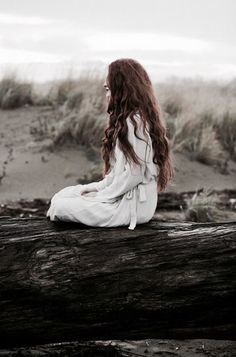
x: 203, y: 207
x: 201, y: 119
x: 15, y: 93
x: 200, y: 116
x: 78, y: 115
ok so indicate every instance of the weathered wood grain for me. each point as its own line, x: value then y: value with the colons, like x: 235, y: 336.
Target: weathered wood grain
x: 129, y: 348
x: 63, y: 281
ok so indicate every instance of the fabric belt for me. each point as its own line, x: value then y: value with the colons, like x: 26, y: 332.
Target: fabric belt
x: 132, y: 196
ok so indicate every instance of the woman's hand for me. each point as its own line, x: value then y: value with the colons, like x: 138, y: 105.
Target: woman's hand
x: 84, y: 192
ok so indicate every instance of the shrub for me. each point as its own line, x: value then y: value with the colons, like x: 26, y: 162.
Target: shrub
x: 71, y: 92
x: 202, y: 207
x: 80, y: 128
x: 63, y: 90
x: 15, y: 94
x: 172, y: 107
x: 74, y: 99
x: 226, y: 132
x: 197, y: 138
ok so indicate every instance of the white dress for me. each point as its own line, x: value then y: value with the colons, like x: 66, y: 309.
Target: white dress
x: 126, y: 196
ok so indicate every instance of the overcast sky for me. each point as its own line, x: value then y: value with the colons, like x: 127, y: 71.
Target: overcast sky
x: 47, y: 38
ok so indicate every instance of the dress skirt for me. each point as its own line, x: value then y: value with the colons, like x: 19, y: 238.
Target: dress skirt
x: 130, y: 209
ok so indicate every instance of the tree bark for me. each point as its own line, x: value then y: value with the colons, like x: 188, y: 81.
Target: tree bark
x: 62, y: 281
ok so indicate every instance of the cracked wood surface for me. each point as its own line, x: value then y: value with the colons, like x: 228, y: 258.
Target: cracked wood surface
x: 62, y: 281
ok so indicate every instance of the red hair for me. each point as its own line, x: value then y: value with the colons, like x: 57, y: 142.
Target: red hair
x: 131, y: 91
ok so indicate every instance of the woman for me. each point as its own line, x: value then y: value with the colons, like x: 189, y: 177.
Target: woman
x: 136, y: 154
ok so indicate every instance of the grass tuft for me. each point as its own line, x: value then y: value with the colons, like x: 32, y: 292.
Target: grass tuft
x: 15, y: 93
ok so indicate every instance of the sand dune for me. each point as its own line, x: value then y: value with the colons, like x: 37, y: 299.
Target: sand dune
x: 32, y: 171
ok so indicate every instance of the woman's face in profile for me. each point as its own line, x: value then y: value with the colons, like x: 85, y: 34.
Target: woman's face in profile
x: 108, y: 92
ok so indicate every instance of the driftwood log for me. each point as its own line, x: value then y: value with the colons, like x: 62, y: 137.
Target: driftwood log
x: 168, y: 201
x: 125, y: 348
x: 62, y: 281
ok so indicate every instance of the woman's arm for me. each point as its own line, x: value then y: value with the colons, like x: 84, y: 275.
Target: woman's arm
x: 133, y: 173
x: 99, y: 185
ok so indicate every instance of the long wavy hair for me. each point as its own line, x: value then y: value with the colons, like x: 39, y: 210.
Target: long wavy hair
x: 131, y: 91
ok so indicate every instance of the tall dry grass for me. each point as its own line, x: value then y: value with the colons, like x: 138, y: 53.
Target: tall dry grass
x: 15, y: 93
x: 204, y: 207
x: 79, y: 113
x: 201, y: 119
x: 200, y: 116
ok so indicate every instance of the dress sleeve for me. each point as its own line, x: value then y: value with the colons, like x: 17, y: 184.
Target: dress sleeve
x: 132, y: 174
x: 99, y: 185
